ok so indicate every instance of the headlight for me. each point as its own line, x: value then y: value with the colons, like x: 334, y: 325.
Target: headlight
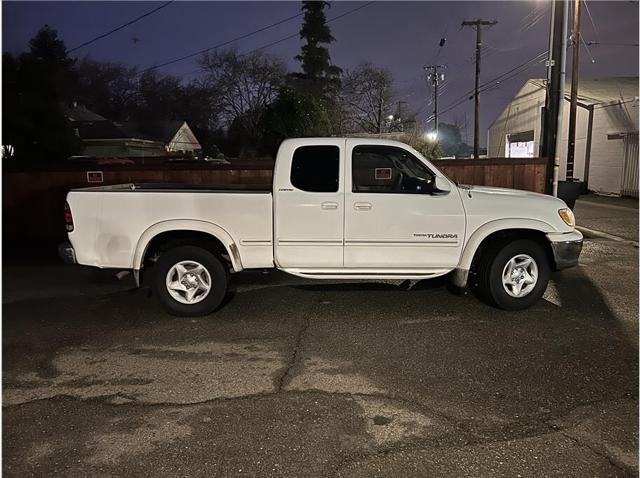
x: 567, y: 216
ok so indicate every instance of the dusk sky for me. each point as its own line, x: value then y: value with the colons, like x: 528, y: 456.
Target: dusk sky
x: 401, y: 36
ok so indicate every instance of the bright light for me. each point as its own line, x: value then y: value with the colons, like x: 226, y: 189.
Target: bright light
x: 432, y: 136
x: 390, y: 117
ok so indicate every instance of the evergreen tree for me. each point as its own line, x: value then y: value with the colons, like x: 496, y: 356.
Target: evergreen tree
x: 37, y: 86
x: 319, y: 76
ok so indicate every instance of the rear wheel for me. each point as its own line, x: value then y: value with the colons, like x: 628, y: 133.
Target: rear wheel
x: 190, y: 281
x: 514, y: 276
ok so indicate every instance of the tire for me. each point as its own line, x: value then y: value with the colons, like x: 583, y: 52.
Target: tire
x: 519, y: 292
x: 181, y: 278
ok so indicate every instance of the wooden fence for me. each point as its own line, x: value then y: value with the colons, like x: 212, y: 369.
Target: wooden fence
x: 516, y: 173
x: 33, y: 198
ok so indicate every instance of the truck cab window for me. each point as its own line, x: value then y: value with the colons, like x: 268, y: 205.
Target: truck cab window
x: 316, y: 169
x: 387, y: 169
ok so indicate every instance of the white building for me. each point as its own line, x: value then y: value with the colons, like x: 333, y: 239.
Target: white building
x: 606, y: 153
x: 177, y: 136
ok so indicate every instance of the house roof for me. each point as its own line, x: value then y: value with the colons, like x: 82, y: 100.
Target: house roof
x: 103, y: 129
x: 78, y: 112
x: 154, y: 130
x: 601, y: 90
x: 92, y: 126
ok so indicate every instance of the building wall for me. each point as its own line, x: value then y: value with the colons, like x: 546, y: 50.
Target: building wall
x: 184, y: 140
x: 607, y: 153
x: 522, y: 114
x: 125, y: 148
x: 607, y: 147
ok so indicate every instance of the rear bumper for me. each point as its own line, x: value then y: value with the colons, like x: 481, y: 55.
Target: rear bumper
x: 67, y: 253
x: 566, y: 249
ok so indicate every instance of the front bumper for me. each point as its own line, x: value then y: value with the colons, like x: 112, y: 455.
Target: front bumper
x: 67, y: 253
x: 566, y: 249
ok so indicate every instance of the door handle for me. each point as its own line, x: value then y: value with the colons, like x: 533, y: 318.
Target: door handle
x: 362, y: 206
x: 329, y: 205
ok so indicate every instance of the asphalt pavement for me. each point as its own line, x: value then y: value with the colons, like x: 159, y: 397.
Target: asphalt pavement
x: 301, y: 378
x: 614, y: 216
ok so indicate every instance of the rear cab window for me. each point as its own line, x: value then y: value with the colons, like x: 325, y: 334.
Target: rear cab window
x: 316, y: 169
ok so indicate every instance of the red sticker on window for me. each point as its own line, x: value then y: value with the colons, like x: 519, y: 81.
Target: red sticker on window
x: 383, y: 173
x: 95, y: 177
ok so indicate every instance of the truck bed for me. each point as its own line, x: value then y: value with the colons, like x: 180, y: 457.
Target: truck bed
x: 113, y: 222
x: 182, y: 187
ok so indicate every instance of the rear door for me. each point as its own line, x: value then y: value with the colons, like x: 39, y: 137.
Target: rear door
x: 309, y: 204
x: 394, y: 216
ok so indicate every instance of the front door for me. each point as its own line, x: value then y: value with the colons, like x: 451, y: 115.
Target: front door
x: 309, y: 206
x: 395, y: 218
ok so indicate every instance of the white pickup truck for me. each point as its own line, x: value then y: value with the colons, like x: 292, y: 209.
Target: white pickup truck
x: 339, y: 208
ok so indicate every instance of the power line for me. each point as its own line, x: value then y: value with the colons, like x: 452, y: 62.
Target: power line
x: 289, y: 37
x: 537, y: 17
x: 131, y: 22
x: 593, y: 24
x: 500, y: 78
x: 597, y: 43
x: 586, y: 47
x: 496, y: 82
x: 219, y: 45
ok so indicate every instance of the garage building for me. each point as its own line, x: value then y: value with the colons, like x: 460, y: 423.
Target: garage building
x: 606, y: 153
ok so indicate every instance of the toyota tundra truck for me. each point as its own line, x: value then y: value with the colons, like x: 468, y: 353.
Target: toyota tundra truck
x: 339, y: 208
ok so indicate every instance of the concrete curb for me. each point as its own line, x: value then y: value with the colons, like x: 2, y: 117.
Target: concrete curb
x: 586, y: 202
x: 604, y: 235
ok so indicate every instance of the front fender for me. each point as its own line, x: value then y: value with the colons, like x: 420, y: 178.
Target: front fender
x: 187, y: 225
x: 484, y: 231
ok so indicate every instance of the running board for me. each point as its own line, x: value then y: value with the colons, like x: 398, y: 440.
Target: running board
x: 366, y: 274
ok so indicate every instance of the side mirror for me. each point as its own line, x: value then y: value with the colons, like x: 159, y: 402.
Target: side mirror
x: 441, y: 186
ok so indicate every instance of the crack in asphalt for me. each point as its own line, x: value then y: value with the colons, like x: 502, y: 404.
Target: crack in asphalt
x: 461, y: 429
x: 620, y: 467
x: 286, y: 377
x: 428, y: 444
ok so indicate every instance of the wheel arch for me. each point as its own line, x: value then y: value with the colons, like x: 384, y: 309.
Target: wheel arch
x: 188, y: 231
x: 504, y: 230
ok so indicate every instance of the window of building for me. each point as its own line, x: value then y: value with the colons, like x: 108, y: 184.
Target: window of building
x: 387, y: 169
x: 316, y: 169
x: 520, y: 145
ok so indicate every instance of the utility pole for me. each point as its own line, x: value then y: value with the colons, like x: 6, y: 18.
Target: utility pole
x: 466, y: 132
x: 436, y: 78
x: 551, y: 137
x: 573, y: 108
x: 477, y: 24
x: 399, y: 119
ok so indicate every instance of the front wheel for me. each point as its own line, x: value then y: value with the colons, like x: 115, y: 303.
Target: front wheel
x: 190, y: 281
x: 515, y: 276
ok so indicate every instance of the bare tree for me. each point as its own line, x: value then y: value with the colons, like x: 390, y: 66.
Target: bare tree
x: 369, y: 104
x: 366, y: 96
x: 110, y: 89
x: 243, y: 85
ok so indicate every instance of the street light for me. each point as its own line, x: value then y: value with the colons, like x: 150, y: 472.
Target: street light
x: 432, y: 136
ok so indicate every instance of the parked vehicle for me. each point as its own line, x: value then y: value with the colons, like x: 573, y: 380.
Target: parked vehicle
x: 339, y: 208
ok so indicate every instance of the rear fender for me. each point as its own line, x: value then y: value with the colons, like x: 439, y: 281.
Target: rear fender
x: 187, y: 225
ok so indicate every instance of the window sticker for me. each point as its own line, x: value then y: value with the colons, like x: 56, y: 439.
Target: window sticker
x: 383, y: 173
x: 95, y: 177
